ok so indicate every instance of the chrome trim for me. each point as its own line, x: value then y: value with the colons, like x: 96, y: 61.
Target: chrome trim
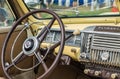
x: 95, y: 43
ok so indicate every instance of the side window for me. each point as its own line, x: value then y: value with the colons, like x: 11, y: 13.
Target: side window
x: 6, y: 17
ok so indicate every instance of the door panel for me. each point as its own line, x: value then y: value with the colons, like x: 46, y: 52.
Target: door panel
x: 18, y: 47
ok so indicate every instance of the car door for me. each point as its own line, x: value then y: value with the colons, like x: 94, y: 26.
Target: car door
x: 7, y: 19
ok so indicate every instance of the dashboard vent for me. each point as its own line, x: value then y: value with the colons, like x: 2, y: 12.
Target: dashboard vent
x: 106, y: 42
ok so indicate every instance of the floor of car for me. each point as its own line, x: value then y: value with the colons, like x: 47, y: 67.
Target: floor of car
x: 60, y: 72
x: 67, y: 72
x: 25, y: 75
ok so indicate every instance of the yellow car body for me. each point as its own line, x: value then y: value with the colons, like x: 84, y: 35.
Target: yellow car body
x: 76, y: 25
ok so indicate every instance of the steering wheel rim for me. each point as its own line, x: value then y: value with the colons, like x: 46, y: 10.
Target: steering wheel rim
x: 55, y: 17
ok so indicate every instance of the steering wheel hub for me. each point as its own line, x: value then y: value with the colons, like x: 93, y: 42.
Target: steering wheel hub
x: 30, y: 45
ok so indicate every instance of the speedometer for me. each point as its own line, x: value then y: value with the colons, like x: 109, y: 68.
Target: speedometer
x: 57, y: 36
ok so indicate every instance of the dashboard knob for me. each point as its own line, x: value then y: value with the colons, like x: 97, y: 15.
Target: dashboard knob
x: 73, y: 50
x: 97, y: 73
x: 86, y: 71
x: 114, y: 76
x: 76, y: 32
x: 83, y: 55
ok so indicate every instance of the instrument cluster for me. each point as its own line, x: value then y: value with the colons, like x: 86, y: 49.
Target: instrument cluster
x: 55, y: 35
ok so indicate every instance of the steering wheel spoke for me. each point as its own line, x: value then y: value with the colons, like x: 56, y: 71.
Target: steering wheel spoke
x: 18, y: 57
x: 37, y: 55
x: 44, y: 66
x: 45, y: 30
x: 41, y: 60
x: 58, y: 43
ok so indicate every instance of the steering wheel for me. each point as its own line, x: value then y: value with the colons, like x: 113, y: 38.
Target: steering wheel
x: 32, y: 45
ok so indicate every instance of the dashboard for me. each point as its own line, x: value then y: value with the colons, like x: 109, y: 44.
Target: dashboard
x: 54, y: 36
x: 72, y: 45
x: 100, y: 51
x: 96, y: 47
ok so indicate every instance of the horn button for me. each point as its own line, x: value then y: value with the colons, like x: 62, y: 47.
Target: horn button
x: 30, y: 46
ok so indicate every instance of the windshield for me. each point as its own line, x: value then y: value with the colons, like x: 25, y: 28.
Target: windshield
x: 73, y: 8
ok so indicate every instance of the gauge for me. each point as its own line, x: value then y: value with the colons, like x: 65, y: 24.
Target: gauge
x: 57, y: 36
x: 70, y: 41
x: 105, y: 55
x: 49, y: 37
x: 77, y: 40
